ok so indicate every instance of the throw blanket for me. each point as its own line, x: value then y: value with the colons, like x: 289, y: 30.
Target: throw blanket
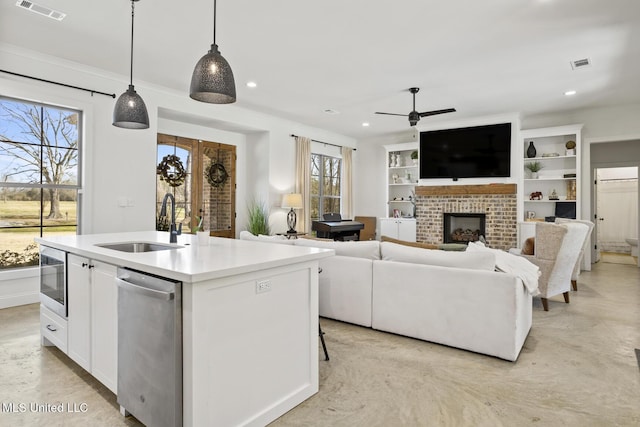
x: 513, y: 264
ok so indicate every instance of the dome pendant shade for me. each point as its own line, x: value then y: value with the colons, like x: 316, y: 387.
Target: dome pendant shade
x: 130, y: 111
x: 212, y: 80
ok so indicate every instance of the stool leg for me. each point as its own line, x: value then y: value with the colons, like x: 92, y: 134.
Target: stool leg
x: 324, y: 346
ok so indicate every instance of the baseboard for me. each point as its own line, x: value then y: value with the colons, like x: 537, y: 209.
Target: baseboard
x: 19, y: 299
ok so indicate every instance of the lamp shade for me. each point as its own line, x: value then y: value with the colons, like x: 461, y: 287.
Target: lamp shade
x: 130, y: 111
x: 212, y: 79
x: 292, y: 200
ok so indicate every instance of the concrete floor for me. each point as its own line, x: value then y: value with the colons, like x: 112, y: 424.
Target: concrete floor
x: 578, y: 368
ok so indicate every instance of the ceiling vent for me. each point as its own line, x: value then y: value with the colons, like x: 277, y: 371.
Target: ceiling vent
x: 580, y: 63
x: 41, y: 10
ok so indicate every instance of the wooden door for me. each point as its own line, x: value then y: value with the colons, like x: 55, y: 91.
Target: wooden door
x: 205, y: 187
x: 218, y: 188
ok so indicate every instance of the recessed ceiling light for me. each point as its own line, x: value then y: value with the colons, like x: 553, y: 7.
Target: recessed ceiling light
x: 252, y: 84
x: 570, y: 92
x: 365, y: 124
x: 330, y: 111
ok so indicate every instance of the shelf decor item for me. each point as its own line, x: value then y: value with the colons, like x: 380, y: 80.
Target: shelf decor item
x: 571, y: 148
x: 414, y: 157
x: 531, y: 151
x: 534, y: 168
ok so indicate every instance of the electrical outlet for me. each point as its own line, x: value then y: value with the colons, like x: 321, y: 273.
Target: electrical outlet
x: 263, y: 286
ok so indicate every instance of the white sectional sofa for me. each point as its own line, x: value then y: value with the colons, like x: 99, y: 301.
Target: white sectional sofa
x: 451, y: 298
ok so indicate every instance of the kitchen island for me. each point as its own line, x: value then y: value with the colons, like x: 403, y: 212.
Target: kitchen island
x: 249, y: 320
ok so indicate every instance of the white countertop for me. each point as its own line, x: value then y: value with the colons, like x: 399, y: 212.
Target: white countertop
x: 189, y: 263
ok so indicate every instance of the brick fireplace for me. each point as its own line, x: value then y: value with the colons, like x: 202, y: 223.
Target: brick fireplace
x: 498, y: 203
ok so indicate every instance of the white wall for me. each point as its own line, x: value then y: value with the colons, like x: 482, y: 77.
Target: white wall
x: 121, y: 162
x: 372, y: 162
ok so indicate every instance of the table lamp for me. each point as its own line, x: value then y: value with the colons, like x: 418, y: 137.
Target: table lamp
x: 293, y: 201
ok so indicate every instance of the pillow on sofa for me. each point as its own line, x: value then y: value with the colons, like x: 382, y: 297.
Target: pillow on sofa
x: 528, y: 248
x: 369, y: 249
x: 406, y: 243
x: 246, y: 235
x: 471, y: 260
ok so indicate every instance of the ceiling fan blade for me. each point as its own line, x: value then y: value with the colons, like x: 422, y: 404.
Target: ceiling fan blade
x: 392, y: 114
x: 434, y: 112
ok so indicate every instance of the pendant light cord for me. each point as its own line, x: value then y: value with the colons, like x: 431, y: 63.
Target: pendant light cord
x: 214, y: 21
x: 132, y: 19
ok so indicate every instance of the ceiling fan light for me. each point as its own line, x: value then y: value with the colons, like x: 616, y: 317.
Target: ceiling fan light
x: 212, y: 80
x: 130, y: 111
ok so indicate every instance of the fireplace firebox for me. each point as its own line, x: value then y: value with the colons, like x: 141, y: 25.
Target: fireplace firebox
x: 463, y: 227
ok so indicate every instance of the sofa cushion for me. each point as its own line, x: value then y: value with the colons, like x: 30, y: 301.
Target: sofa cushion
x: 246, y: 235
x: 441, y: 246
x: 471, y: 260
x: 369, y: 249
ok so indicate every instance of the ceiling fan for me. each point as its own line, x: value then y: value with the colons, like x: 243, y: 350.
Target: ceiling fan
x: 414, y: 116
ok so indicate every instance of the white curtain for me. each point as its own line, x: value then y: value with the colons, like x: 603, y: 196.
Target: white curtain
x: 303, y: 181
x: 347, y: 183
x: 618, y: 206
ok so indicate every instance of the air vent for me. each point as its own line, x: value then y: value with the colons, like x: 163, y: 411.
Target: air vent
x: 41, y: 10
x: 580, y: 63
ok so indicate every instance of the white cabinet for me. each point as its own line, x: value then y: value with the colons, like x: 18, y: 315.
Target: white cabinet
x: 556, y: 188
x: 399, y: 228
x: 92, y: 319
x: 402, y: 174
x: 53, y: 329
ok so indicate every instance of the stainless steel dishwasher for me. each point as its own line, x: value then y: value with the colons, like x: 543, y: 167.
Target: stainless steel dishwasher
x: 150, y: 348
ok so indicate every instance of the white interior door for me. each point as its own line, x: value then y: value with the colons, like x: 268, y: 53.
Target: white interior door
x: 616, y: 208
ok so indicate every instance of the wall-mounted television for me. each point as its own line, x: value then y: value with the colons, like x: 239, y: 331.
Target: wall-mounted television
x: 471, y: 152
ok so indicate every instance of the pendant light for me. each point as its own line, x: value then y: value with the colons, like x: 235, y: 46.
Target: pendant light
x: 212, y: 80
x: 130, y: 111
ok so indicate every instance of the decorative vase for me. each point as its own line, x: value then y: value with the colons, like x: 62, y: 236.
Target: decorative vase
x: 534, y: 175
x: 531, y: 151
x: 203, y: 238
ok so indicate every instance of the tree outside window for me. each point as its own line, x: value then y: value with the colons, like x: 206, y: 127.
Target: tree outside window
x: 325, y: 185
x: 39, y: 177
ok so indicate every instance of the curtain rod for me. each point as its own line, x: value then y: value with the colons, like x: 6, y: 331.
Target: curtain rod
x: 322, y: 142
x: 112, y: 95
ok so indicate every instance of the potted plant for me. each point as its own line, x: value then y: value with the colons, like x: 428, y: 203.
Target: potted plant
x: 198, y: 230
x: 533, y: 167
x: 414, y: 157
x: 258, y: 218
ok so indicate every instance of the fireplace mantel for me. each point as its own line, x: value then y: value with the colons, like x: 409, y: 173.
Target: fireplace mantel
x: 456, y: 190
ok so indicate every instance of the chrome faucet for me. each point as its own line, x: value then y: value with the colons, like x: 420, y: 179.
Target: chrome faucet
x: 173, y: 232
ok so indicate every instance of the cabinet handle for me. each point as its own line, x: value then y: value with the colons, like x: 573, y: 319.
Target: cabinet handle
x: 51, y: 328
x: 84, y: 264
x: 91, y: 265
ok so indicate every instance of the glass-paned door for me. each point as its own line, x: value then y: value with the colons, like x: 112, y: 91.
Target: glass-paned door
x: 218, y: 184
x: 174, y: 176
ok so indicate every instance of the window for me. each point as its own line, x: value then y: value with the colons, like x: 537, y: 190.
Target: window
x: 325, y: 185
x: 39, y: 177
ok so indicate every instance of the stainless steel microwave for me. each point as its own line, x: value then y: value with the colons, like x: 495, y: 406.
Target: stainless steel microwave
x: 53, y: 280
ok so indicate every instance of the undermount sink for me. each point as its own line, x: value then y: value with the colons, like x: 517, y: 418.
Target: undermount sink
x: 138, y: 246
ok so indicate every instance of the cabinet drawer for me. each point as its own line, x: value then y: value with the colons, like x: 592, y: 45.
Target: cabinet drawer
x: 53, y: 328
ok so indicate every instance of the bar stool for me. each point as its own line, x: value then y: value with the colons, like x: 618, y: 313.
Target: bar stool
x: 324, y: 346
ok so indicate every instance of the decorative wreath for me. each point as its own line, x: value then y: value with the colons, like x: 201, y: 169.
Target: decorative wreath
x: 216, y: 174
x: 171, y: 170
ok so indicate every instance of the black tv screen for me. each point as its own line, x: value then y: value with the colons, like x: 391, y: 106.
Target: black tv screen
x: 472, y: 152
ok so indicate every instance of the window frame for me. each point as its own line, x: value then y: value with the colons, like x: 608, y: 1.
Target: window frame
x: 321, y: 178
x: 42, y: 227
